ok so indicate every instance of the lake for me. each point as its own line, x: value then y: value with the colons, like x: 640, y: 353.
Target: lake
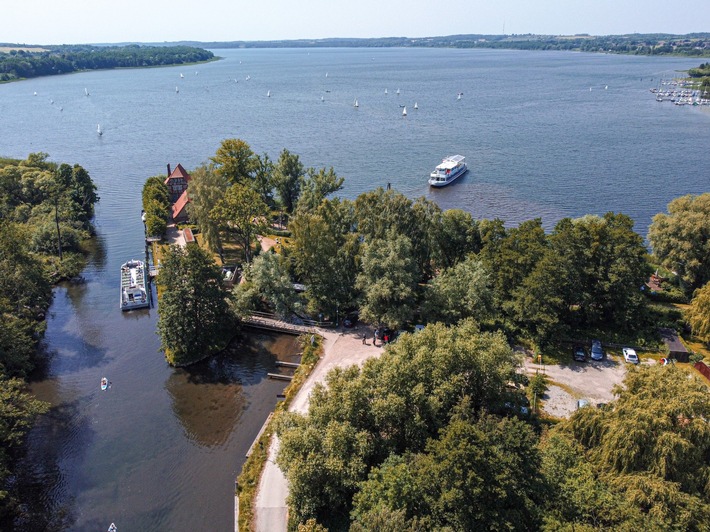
x: 545, y: 134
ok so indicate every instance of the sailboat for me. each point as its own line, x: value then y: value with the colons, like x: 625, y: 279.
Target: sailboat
x: 181, y: 76
x: 404, y: 112
x: 86, y: 91
x: 355, y: 103
x: 98, y: 129
x: 176, y: 89
x: 268, y: 94
x: 458, y: 96
x: 322, y: 99
x: 397, y: 91
x: 416, y: 106
x: 385, y: 91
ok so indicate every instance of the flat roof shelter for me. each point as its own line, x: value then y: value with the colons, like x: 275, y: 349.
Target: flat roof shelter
x: 675, y: 347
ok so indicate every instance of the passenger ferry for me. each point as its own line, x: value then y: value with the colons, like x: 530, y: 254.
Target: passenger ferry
x: 133, y: 292
x: 449, y: 169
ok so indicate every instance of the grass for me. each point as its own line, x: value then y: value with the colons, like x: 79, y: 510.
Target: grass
x: 248, y: 479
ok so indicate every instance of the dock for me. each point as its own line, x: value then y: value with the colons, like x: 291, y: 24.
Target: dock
x: 279, y: 377
x: 287, y: 364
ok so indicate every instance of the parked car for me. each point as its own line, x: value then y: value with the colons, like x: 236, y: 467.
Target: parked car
x: 597, y: 352
x: 630, y: 355
x: 579, y: 354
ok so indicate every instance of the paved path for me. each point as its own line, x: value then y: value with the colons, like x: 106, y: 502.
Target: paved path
x: 342, y: 348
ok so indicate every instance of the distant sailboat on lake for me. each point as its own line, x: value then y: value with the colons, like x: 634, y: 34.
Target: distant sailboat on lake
x: 176, y: 89
x: 98, y: 130
x: 181, y: 76
x: 86, y: 91
x: 404, y: 112
x: 355, y: 103
x: 416, y: 106
x: 268, y: 94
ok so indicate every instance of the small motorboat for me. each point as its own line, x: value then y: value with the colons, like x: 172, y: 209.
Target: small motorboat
x: 104, y: 386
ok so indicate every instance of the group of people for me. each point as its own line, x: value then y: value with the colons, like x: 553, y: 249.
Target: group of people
x: 384, y: 335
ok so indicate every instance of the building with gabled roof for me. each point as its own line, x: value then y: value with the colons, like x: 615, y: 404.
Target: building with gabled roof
x: 177, y: 182
x: 179, y: 209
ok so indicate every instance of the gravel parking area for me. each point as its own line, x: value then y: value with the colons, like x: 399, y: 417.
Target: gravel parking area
x: 591, y: 380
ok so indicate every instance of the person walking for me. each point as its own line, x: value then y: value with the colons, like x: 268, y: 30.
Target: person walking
x: 364, y: 339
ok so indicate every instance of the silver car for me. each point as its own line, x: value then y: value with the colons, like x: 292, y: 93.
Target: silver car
x: 597, y: 352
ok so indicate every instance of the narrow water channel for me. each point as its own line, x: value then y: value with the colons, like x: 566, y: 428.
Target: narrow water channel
x: 158, y: 450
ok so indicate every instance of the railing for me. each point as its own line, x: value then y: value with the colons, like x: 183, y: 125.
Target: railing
x: 267, y: 320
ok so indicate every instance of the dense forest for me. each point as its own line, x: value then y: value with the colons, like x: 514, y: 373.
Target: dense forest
x: 51, y: 60
x: 696, y: 44
x: 47, y: 212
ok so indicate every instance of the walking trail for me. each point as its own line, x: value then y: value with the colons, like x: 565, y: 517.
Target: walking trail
x: 342, y: 348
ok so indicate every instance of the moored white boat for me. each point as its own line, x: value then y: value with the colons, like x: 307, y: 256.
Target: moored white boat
x: 449, y: 169
x: 133, y: 286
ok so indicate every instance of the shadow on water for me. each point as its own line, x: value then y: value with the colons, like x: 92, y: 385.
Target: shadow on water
x: 209, y: 397
x: 42, y: 480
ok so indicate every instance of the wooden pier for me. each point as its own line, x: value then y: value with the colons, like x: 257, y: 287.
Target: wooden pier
x: 287, y: 364
x: 279, y: 377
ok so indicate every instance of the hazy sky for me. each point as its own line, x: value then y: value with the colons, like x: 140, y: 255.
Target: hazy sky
x: 93, y: 21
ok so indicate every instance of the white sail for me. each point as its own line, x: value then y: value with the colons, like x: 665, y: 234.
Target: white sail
x: 98, y: 129
x: 404, y: 112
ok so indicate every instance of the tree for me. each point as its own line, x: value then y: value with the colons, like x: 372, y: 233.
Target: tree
x: 194, y: 316
x: 399, y: 405
x: 156, y: 205
x: 207, y: 187
x: 18, y: 410
x: 388, y: 281
x: 263, y: 177
x: 462, y: 291
x: 681, y: 239
x: 698, y: 314
x: 241, y: 213
x: 316, y: 186
x: 647, y: 451
x: 324, y: 253
x: 456, y: 238
x: 235, y: 161
x: 287, y: 179
x: 267, y: 282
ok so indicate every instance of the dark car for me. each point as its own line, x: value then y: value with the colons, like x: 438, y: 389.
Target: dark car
x: 579, y: 354
x: 597, y: 351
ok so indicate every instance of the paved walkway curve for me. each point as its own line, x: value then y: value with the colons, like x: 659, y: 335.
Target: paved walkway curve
x: 342, y: 348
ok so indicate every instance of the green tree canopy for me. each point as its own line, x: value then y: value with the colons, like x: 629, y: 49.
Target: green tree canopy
x: 420, y: 397
x: 324, y: 251
x: 194, y: 316
x: 388, y: 281
x: 207, y: 188
x: 462, y: 291
x: 681, y: 239
x: 269, y: 284
x: 698, y: 314
x: 316, y: 186
x: 287, y: 179
x: 235, y: 161
x: 646, y: 453
x: 241, y: 213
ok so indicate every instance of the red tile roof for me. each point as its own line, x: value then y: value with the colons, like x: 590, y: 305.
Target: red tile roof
x: 177, y: 173
x: 180, y: 204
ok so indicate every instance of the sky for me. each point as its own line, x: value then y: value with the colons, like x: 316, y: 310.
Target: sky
x: 111, y: 21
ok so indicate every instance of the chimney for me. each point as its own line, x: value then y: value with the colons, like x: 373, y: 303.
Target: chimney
x: 169, y: 172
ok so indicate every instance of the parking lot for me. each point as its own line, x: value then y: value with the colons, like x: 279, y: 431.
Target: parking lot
x: 570, y: 381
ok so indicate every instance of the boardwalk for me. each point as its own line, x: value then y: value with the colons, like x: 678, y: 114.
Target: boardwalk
x: 263, y: 321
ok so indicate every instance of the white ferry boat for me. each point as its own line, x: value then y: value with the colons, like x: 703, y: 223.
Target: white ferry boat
x: 133, y: 292
x: 449, y: 169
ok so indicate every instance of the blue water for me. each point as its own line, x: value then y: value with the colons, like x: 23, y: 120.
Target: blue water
x: 161, y: 448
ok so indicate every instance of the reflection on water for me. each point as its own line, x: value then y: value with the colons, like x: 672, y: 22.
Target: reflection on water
x: 207, y: 410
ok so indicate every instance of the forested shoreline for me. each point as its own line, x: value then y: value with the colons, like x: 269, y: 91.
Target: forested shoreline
x: 24, y: 62
x: 47, y: 211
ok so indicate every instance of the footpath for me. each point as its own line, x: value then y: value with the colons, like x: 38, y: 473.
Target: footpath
x: 341, y: 348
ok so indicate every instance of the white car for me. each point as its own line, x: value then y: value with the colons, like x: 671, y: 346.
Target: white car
x: 630, y: 355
